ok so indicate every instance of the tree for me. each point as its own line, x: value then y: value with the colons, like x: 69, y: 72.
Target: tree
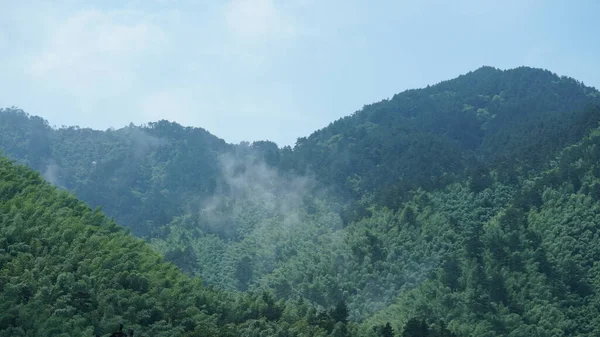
x: 416, y: 328
x: 385, y: 331
x: 243, y: 273
x: 340, y: 312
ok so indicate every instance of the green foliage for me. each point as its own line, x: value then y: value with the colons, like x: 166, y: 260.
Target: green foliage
x: 513, y: 120
x: 66, y: 270
x: 526, y: 269
x: 488, y: 120
x: 468, y: 208
x: 386, y: 331
x: 139, y: 175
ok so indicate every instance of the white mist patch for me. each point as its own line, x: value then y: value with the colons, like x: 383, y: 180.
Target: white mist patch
x: 142, y: 142
x: 253, y: 195
x: 256, y: 220
x: 249, y: 177
x: 52, y: 174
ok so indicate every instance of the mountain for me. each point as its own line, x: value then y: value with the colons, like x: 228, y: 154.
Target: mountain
x: 468, y: 206
x: 129, y: 172
x: 509, y: 121
x: 67, y: 270
x: 516, y: 262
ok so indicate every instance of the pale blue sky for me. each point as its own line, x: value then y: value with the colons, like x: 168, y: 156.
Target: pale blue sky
x: 269, y: 69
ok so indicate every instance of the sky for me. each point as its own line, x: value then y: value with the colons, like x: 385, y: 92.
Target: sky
x: 248, y: 70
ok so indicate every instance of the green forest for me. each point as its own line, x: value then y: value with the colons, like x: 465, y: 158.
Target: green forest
x: 466, y: 208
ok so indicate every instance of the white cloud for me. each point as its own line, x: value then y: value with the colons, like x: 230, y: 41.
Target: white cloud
x: 94, y: 48
x: 3, y: 41
x: 172, y: 105
x: 258, y: 20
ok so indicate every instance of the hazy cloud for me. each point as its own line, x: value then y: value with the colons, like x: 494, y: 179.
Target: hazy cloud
x: 169, y: 104
x: 251, y: 183
x: 52, y: 174
x: 95, y: 48
x: 142, y: 142
x: 258, y: 19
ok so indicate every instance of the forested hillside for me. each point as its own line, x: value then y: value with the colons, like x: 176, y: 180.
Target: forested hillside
x: 510, y: 121
x: 67, y: 270
x: 510, y: 258
x: 468, y: 206
x: 529, y: 269
x: 142, y: 176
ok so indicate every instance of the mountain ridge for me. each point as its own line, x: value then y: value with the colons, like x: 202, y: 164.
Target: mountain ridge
x: 387, y: 215
x: 421, y: 138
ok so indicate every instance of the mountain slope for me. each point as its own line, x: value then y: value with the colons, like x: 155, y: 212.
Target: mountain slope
x: 67, y: 270
x: 428, y: 137
x: 441, y: 204
x: 529, y: 269
x: 510, y: 121
x: 510, y: 259
x: 129, y: 172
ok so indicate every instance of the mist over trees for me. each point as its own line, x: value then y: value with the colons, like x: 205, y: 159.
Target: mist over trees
x: 467, y: 208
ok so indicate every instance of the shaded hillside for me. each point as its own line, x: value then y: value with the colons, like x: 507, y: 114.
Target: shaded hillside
x: 503, y: 261
x: 529, y: 269
x: 506, y: 260
x: 143, y: 176
x: 67, y: 270
x: 510, y: 121
x: 472, y: 202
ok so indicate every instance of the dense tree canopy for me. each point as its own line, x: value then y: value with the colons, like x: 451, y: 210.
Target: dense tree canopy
x: 67, y: 270
x: 467, y: 208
